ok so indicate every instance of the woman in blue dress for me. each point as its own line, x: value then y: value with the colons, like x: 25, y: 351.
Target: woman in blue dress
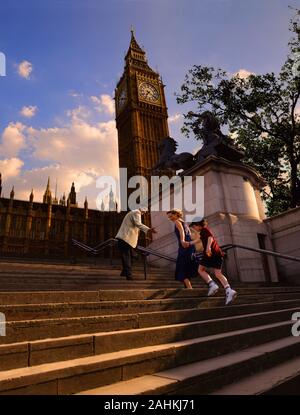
x: 186, y: 268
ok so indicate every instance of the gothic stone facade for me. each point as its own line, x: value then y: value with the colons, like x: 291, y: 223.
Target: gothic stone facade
x: 45, y: 230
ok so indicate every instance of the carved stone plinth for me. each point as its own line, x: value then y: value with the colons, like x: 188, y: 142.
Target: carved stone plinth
x: 235, y: 213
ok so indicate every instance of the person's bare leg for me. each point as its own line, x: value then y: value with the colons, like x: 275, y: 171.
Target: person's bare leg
x: 203, y: 274
x: 223, y: 280
x: 187, y: 283
x: 212, y: 286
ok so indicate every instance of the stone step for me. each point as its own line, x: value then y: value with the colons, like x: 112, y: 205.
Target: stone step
x: 17, y: 312
x: 42, y: 279
x: 47, y: 278
x: 58, y: 310
x: 83, y: 280
x: 86, y: 276
x: 20, y: 331
x: 46, y: 351
x: 208, y: 375
x: 282, y: 379
x: 86, y: 285
x: 39, y: 272
x: 100, y: 263
x: 106, y: 282
x: 82, y: 287
x: 96, y: 270
x: 29, y: 297
x: 85, y: 373
x: 95, y: 287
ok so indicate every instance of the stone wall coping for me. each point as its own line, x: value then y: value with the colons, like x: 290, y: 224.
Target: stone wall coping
x: 213, y: 163
x: 282, y: 214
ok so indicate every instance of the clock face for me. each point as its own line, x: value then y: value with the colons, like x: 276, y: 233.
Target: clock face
x: 148, y: 92
x: 122, y: 98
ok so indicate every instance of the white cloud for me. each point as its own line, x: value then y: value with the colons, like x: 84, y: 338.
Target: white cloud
x: 79, y: 152
x: 29, y: 111
x: 174, y: 118
x: 36, y: 179
x: 243, y: 73
x: 24, y: 69
x: 80, y: 144
x: 74, y: 94
x: 11, y: 167
x: 104, y: 103
x: 78, y: 114
x: 13, y: 140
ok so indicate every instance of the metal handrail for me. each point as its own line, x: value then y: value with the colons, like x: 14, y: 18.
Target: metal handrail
x: 97, y: 248
x: 82, y: 245
x: 109, y: 242
x: 148, y: 251
x: 262, y: 251
x: 102, y: 245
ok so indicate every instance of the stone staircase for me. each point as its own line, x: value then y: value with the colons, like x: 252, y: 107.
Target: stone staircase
x: 42, y: 277
x: 84, y: 330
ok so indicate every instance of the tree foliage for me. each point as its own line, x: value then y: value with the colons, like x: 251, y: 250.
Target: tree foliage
x: 262, y: 115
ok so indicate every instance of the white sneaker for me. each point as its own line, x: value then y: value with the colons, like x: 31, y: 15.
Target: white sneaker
x: 230, y: 296
x: 213, y: 289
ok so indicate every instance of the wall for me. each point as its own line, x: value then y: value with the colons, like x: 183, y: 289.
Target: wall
x: 284, y: 230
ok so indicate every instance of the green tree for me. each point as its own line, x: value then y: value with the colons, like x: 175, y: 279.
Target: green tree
x: 261, y: 114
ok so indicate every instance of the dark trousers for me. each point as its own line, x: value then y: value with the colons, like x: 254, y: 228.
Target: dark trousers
x: 125, y: 250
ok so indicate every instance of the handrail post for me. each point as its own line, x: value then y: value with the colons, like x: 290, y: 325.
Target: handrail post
x: 145, y: 266
x: 111, y: 253
x: 72, y: 253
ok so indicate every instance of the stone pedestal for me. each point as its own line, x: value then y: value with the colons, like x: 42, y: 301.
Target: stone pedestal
x: 235, y: 214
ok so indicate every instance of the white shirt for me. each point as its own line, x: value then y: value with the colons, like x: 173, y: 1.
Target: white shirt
x: 130, y: 228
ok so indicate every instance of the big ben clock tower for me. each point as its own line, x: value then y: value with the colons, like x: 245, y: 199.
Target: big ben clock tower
x: 141, y: 113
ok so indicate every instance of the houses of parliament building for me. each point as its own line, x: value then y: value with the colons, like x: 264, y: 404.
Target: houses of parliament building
x: 45, y: 229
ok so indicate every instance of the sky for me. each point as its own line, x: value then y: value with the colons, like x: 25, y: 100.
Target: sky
x: 64, y: 58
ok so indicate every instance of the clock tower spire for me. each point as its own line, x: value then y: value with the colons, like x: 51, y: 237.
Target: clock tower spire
x: 141, y: 113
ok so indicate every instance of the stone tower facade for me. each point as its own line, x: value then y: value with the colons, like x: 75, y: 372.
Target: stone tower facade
x: 141, y: 113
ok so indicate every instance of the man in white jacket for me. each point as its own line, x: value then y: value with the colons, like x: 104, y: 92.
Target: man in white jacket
x: 128, y: 237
